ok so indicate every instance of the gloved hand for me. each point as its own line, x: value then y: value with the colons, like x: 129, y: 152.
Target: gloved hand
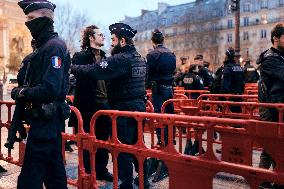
x: 18, y: 93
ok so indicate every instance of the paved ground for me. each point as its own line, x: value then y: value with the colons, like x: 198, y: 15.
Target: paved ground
x: 8, y: 180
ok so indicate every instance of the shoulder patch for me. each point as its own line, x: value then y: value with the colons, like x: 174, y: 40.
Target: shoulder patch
x: 237, y: 69
x: 104, y: 64
x: 56, y: 62
x: 188, y: 80
x: 139, y: 71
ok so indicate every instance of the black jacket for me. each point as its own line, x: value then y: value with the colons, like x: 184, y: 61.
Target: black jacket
x: 251, y: 75
x: 206, y: 76
x: 48, y: 82
x: 232, y: 78
x: 161, y: 64
x: 271, y: 82
x: 85, y: 90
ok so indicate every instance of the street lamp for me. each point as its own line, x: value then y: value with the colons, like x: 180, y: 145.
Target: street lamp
x: 235, y: 7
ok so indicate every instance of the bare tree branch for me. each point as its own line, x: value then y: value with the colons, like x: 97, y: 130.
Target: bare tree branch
x: 68, y: 24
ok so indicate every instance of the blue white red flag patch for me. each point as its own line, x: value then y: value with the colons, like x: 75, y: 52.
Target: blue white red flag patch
x: 56, y: 62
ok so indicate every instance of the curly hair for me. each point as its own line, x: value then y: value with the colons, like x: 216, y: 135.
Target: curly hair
x: 277, y: 31
x: 89, y: 31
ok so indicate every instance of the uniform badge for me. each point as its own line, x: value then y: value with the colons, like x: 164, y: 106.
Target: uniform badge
x: 103, y: 64
x: 188, y: 80
x: 56, y: 62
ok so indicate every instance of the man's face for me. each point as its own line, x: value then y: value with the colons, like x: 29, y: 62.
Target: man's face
x: 33, y: 15
x: 98, y: 38
x: 198, y: 62
x: 114, y: 40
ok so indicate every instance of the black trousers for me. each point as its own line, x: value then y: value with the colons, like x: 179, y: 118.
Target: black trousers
x: 43, y: 163
x: 127, y: 134
x: 102, y: 132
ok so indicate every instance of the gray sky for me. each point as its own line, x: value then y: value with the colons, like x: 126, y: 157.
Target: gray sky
x: 106, y: 12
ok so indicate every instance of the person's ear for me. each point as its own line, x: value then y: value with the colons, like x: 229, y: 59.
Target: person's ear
x: 122, y: 42
x: 91, y: 38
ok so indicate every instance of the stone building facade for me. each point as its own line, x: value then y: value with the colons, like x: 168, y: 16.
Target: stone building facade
x: 14, y: 37
x: 207, y: 27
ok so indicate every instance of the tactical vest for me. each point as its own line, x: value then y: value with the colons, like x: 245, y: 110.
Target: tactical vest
x: 132, y: 85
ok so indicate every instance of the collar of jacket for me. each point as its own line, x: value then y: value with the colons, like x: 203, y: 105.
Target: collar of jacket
x: 159, y: 45
x: 90, y: 52
x: 277, y: 51
x: 127, y: 48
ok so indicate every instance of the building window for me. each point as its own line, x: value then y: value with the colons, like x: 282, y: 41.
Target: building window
x: 246, y: 21
x: 264, y: 4
x: 246, y: 7
x: 229, y: 38
x: 246, y: 36
x: 263, y: 34
x: 281, y: 3
x: 230, y: 24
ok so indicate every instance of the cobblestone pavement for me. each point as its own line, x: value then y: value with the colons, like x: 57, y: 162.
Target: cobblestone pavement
x: 8, y: 180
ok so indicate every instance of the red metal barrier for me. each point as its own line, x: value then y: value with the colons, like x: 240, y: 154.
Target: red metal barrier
x: 223, y: 97
x: 251, y: 85
x: 6, y: 124
x: 189, y: 92
x: 198, y: 172
x: 249, y: 110
x: 187, y: 171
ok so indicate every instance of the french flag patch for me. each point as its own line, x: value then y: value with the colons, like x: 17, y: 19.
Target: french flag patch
x: 56, y: 62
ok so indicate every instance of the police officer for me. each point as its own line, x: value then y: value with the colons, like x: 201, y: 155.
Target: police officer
x: 161, y: 64
x: 232, y: 81
x: 204, y: 72
x: 251, y: 75
x: 230, y: 77
x: 191, y: 80
x: 126, y: 72
x: 47, y: 76
x: 91, y: 96
x: 271, y: 85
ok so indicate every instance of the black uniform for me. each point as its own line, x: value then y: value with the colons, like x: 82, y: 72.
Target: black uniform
x: 48, y: 83
x: 161, y: 64
x: 126, y: 73
x: 232, y: 82
x: 88, y: 102
x: 206, y: 76
x: 191, y: 81
x: 251, y: 75
x: 232, y: 78
x: 271, y: 90
x: 216, y: 86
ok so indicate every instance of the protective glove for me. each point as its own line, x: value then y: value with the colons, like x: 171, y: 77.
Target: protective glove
x: 18, y: 93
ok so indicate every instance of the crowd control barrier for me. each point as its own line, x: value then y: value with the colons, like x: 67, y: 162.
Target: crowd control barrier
x: 228, y: 97
x: 194, y: 171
